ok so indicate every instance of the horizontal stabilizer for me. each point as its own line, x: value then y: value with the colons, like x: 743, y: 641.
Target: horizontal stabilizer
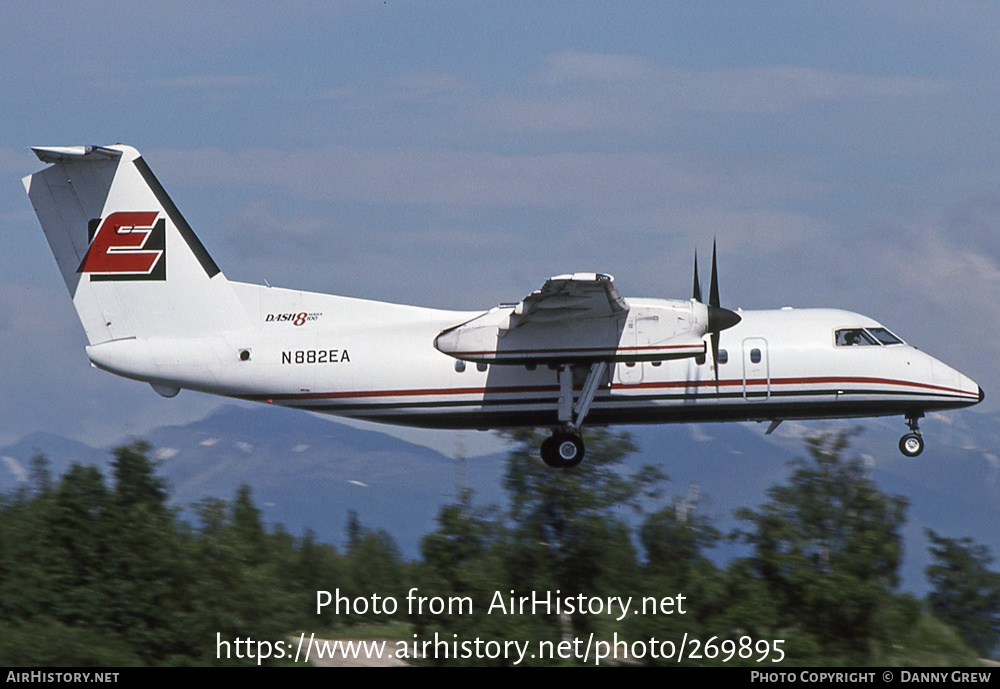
x: 55, y: 154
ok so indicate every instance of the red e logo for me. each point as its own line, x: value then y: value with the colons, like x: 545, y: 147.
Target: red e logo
x: 127, y: 245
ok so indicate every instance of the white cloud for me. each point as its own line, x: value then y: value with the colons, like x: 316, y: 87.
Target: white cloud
x: 936, y: 268
x: 423, y: 86
x: 433, y: 175
x: 611, y: 93
x: 209, y: 82
x: 573, y: 66
x: 762, y: 88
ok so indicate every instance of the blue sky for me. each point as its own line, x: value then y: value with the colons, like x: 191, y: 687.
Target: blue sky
x: 457, y: 154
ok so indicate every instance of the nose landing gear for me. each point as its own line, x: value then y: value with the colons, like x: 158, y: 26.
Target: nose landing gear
x: 912, y: 444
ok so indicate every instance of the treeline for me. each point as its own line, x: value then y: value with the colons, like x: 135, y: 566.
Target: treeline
x: 822, y: 576
x: 99, y: 574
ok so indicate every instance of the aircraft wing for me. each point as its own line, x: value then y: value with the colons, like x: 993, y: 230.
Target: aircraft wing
x: 577, y: 317
x: 578, y: 296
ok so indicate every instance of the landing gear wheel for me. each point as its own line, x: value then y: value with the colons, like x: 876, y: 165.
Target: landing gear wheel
x: 911, y: 444
x: 562, y: 450
x: 569, y: 449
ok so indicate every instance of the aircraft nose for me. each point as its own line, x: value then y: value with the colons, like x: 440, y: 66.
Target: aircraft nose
x: 982, y: 395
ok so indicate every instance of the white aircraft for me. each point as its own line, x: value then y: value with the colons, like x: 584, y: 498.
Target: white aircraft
x: 156, y: 308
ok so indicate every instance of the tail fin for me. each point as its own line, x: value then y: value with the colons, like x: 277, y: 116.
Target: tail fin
x: 131, y: 262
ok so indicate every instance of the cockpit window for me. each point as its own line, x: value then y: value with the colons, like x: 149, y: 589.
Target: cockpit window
x: 854, y: 337
x: 862, y: 337
x: 884, y: 336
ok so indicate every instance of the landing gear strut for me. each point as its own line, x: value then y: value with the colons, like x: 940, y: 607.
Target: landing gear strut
x: 564, y: 448
x: 912, y: 444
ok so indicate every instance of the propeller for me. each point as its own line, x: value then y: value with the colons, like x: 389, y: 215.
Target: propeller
x: 719, y: 319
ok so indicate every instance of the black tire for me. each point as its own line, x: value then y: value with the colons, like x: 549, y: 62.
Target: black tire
x: 548, y: 452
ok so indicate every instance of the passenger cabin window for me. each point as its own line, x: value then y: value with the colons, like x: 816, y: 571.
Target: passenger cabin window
x: 723, y: 356
x: 755, y: 356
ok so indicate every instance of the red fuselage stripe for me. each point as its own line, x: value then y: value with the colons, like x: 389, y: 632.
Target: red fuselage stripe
x: 586, y: 350
x: 739, y: 382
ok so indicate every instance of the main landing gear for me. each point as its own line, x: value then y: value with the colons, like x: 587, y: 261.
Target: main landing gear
x: 912, y: 444
x: 564, y: 448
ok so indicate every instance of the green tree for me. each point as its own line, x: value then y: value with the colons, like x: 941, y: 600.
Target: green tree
x: 353, y: 529
x: 144, y: 564
x: 30, y: 557
x: 240, y: 580
x: 561, y: 534
x: 827, y: 548
x: 675, y: 539
x: 40, y: 474
x: 373, y: 565
x: 565, y: 531
x: 463, y: 561
x: 81, y: 534
x: 136, y: 482
x: 966, y: 592
x: 315, y: 566
x: 92, y: 575
x: 459, y: 552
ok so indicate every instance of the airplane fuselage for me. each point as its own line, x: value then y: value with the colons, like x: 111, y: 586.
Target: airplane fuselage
x: 377, y: 361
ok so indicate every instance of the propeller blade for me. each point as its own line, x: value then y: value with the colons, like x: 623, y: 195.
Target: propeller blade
x: 696, y: 292
x: 713, y: 297
x: 715, y: 357
x: 719, y: 318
